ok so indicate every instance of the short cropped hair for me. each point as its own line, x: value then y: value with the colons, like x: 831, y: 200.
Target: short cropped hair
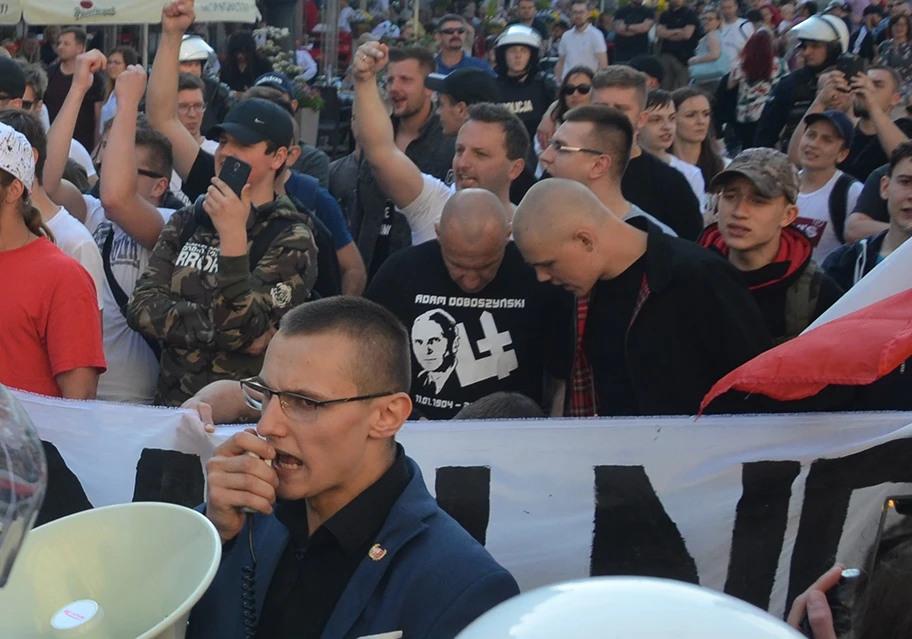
x: 158, y: 148
x: 451, y: 17
x: 422, y: 55
x: 903, y: 151
x: 515, y: 133
x: 380, y: 341
x: 501, y: 405
x: 35, y: 77
x: 611, y: 130
x: 29, y: 126
x: 623, y: 77
x: 189, y: 82
x: 658, y: 98
x: 894, y: 74
x: 78, y: 32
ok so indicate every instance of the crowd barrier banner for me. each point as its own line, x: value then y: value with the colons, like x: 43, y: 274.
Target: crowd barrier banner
x: 92, y: 12
x: 756, y: 506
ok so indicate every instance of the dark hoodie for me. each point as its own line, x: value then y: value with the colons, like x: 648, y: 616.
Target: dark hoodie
x: 788, y: 301
x: 851, y: 262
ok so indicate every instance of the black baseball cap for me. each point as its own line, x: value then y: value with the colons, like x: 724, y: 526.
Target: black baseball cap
x: 256, y: 120
x: 467, y: 85
x: 840, y: 121
x: 12, y: 79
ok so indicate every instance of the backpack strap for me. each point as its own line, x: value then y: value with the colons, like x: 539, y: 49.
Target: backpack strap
x: 264, y: 240
x: 120, y: 297
x: 839, y: 204
x: 308, y: 195
x: 801, y: 300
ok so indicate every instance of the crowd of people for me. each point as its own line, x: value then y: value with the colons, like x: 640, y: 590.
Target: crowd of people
x: 680, y: 193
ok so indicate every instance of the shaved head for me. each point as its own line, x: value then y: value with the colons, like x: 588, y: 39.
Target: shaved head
x: 558, y: 208
x: 473, y: 232
x: 570, y: 238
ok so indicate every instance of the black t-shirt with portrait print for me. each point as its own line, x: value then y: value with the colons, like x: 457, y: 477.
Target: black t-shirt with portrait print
x: 468, y: 345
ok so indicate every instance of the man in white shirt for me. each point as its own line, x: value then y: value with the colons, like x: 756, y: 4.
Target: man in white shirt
x: 658, y: 134
x: 735, y: 31
x: 125, y: 222
x: 582, y: 45
x: 826, y: 194
x: 490, y: 150
x: 69, y: 235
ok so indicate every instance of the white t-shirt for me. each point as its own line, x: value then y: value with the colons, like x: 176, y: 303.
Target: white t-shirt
x: 132, y: 372
x: 694, y: 177
x: 814, y: 216
x: 425, y: 211
x: 75, y: 240
x: 734, y: 36
x: 636, y: 212
x: 209, y: 146
x: 81, y: 156
x: 581, y: 47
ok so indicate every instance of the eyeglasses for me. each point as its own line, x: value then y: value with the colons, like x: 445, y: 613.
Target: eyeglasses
x: 150, y: 174
x: 561, y: 148
x: 296, y: 407
x: 454, y: 31
x: 27, y: 105
x: 582, y: 89
x: 187, y: 108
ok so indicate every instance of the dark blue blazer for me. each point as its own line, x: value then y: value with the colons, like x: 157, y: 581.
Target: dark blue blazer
x: 434, y: 580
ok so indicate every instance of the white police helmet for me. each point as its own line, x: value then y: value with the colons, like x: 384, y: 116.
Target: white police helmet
x: 519, y: 34
x: 629, y: 607
x: 823, y: 29
x: 194, y: 48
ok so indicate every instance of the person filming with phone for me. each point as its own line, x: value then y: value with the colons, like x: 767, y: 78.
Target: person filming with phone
x: 229, y: 266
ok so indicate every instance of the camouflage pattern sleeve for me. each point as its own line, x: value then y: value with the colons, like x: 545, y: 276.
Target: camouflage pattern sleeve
x: 246, y: 304
x: 158, y: 312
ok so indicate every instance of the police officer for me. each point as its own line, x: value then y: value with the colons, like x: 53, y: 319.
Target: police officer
x: 523, y: 89
x: 195, y: 55
x: 822, y: 40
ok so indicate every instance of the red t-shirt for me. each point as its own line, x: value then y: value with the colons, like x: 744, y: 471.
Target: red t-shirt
x: 49, y: 319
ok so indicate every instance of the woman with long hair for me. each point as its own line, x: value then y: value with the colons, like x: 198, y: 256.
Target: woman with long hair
x: 693, y: 142
x: 709, y: 61
x: 244, y: 63
x: 575, y: 90
x: 896, y: 51
x: 51, y: 338
x: 756, y: 75
x: 118, y: 60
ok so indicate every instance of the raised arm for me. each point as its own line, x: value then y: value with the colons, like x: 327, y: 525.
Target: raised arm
x: 123, y: 205
x: 396, y: 174
x: 889, y: 135
x: 161, y: 103
x: 61, y: 133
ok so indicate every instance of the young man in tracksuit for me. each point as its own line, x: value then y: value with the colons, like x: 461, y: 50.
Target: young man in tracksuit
x: 757, y: 206
x: 850, y: 263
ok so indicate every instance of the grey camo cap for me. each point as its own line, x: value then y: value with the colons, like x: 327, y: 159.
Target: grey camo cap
x: 770, y: 170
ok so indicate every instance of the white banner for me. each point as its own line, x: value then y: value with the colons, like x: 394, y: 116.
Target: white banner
x: 756, y: 506
x: 119, y: 11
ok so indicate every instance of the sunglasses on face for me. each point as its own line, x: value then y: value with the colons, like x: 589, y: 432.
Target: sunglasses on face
x: 150, y: 174
x: 453, y: 31
x: 583, y: 89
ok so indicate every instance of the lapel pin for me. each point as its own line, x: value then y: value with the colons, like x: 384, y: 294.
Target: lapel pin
x: 376, y: 552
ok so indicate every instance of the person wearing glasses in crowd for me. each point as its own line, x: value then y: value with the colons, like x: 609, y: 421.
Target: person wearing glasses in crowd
x: 348, y: 540
x: 125, y: 221
x: 583, y: 45
x: 451, y: 36
x: 575, y: 90
x: 191, y: 107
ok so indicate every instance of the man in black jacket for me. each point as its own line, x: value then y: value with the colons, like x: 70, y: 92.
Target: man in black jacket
x: 862, y: 41
x: 756, y: 210
x: 850, y: 263
x: 659, y: 320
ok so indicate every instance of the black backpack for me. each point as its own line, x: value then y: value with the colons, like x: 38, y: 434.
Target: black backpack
x: 839, y: 203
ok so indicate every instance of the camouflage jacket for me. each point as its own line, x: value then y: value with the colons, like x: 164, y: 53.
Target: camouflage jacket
x: 207, y: 309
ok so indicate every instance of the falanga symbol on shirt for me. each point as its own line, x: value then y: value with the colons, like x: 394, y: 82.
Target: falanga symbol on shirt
x: 442, y: 347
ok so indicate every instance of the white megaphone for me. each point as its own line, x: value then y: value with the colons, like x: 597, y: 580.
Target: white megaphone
x: 629, y: 607
x: 131, y: 571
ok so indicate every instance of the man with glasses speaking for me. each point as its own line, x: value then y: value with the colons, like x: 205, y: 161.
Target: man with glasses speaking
x: 345, y: 541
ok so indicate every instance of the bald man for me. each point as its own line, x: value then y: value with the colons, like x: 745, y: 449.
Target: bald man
x: 478, y: 320
x: 661, y: 319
